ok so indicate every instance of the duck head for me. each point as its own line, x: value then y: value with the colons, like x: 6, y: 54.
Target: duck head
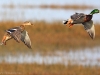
x: 27, y: 23
x: 94, y: 11
x: 22, y: 26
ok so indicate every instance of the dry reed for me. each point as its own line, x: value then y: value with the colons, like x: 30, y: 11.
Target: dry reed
x: 54, y: 69
x: 52, y: 36
x: 53, y: 6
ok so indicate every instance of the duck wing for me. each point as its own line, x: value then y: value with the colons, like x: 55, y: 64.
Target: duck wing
x: 25, y: 38
x: 15, y: 33
x: 78, y: 18
x: 89, y: 27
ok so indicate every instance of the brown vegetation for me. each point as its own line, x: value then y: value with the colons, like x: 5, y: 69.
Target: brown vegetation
x: 54, y: 69
x: 52, y: 36
x: 50, y: 6
x: 48, y: 37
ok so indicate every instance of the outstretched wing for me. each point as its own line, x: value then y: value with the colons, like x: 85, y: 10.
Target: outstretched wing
x: 15, y: 33
x: 78, y: 18
x: 25, y: 38
x: 89, y: 27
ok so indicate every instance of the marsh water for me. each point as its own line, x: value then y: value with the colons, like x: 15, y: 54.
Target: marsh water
x: 85, y: 57
x: 47, y: 14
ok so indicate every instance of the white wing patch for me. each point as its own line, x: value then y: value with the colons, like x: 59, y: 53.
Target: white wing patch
x: 11, y: 30
x: 25, y: 38
x: 91, y: 32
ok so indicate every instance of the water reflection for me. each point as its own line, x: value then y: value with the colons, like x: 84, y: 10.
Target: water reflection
x: 81, y: 57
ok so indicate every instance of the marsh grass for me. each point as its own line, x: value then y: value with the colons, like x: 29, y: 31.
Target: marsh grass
x: 52, y: 6
x: 54, y: 69
x: 51, y: 36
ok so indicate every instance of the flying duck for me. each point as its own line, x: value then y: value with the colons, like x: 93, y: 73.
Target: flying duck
x: 86, y: 20
x: 18, y: 33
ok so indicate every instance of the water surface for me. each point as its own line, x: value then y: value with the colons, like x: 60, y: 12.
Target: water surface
x: 86, y: 57
x: 48, y: 2
x: 47, y: 14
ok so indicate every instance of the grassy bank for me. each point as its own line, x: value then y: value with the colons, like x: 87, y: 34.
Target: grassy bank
x: 55, y: 69
x: 51, y: 36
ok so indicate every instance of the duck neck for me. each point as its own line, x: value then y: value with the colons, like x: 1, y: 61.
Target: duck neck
x: 22, y: 27
x: 92, y: 12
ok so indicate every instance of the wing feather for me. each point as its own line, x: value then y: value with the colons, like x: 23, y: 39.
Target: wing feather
x: 15, y: 33
x: 25, y: 39
x: 89, y: 27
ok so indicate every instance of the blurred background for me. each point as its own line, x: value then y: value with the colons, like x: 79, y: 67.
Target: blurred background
x: 56, y: 49
x: 45, y: 10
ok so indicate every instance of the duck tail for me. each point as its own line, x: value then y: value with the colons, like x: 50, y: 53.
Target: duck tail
x: 65, y: 22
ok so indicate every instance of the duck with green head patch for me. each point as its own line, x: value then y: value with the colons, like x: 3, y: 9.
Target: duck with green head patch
x: 94, y: 11
x: 86, y: 20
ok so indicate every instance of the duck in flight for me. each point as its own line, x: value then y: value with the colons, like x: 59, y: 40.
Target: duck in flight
x: 18, y: 33
x: 85, y: 20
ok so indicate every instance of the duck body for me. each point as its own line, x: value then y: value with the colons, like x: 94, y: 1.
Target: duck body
x: 17, y: 33
x: 80, y: 18
x: 88, y: 18
x: 85, y: 20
